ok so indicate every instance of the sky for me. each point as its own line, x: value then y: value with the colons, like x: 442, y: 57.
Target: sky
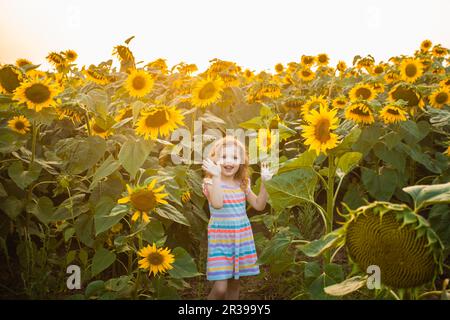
x: 256, y: 34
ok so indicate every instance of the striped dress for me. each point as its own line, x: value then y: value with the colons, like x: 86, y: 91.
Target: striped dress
x: 231, y: 247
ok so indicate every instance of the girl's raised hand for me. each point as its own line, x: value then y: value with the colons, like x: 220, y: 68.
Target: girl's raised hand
x: 212, y: 168
x: 266, y: 171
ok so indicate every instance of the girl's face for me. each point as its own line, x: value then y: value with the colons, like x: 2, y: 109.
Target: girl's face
x: 229, y: 158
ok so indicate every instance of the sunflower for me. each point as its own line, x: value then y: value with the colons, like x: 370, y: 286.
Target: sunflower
x: 264, y: 140
x: 70, y: 110
x: 425, y: 45
x: 124, y: 113
x: 440, y: 98
x: 318, y: 132
x: 160, y: 119
x: 447, y: 152
x: 123, y: 53
x: 392, y: 114
x: 70, y: 55
x: 293, y: 103
x: 159, y: 64
x: 22, y: 62
x: 306, y: 74
x: 406, y: 93
x: 341, y: 66
x: 270, y: 90
x: 314, y: 102
x: 378, y: 87
x: 322, y: 59
x: 339, y: 102
x: 308, y: 61
x: 410, y: 70
x: 391, y: 77
x: 10, y: 78
x: 156, y: 260
x: 185, y: 68
x: 207, y: 92
x: 229, y: 80
x: 445, y: 83
x: 144, y: 199
x: 360, y: 113
x: 378, y: 69
x: 139, y: 83
x: 19, y: 124
x: 95, y: 75
x: 37, y: 93
x: 279, y: 68
x: 99, y: 128
x: 248, y: 74
x: 439, y: 51
x: 362, y: 92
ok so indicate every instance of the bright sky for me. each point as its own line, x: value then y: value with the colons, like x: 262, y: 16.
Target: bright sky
x: 254, y: 33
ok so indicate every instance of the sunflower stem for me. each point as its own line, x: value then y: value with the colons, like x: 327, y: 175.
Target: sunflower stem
x: 330, y: 200
x: 33, y: 143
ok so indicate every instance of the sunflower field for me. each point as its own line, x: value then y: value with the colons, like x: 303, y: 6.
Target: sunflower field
x: 87, y: 178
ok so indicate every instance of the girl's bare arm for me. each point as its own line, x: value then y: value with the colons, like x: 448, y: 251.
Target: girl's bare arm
x: 215, y: 193
x: 258, y: 201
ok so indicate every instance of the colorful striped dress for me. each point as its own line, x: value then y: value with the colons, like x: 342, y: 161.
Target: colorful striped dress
x: 231, y: 247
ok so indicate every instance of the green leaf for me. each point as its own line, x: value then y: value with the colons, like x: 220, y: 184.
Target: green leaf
x: 416, y: 153
x: 94, y: 288
x: 274, y: 249
x: 380, y: 186
x: 3, y: 192
x: 102, y: 259
x: 107, y: 214
x: 183, y: 266
x: 12, y: 206
x: 348, y: 141
x: 369, y: 136
x: 133, y: 154
x: 43, y: 209
x: 424, y: 195
x: 348, y: 161
x: 393, y: 157
x: 108, y: 167
x: 154, y: 232
x: 291, y: 188
x: 170, y: 212
x: 306, y: 159
x: 84, y: 226
x: 319, y: 246
x: 414, y: 132
x: 9, y: 141
x: 23, y: 178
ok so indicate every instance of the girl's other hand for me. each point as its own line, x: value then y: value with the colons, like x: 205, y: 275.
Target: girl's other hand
x: 266, y: 171
x: 212, y: 168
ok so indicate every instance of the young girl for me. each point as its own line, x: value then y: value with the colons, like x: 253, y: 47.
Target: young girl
x: 231, y: 247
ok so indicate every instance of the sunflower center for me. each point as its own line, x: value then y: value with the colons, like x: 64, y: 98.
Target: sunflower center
x: 411, y: 70
x: 157, y: 119
x: 38, y: 93
x: 322, y: 59
x: 155, y: 258
x: 363, y: 93
x: 207, y: 91
x: 322, y: 130
x: 393, y: 111
x: 441, y: 97
x: 139, y: 83
x: 143, y: 200
x: 360, y: 112
x: 20, y: 125
x: 306, y: 73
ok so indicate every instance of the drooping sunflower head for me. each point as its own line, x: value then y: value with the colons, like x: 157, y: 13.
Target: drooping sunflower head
x: 123, y: 53
x: 340, y: 102
x: 207, y: 91
x: 411, y: 69
x: 19, y: 124
x: 70, y: 55
x: 124, y: 113
x: 322, y: 59
x: 37, y: 93
x: 23, y: 62
x: 425, y: 45
x: 318, y: 132
x: 406, y: 93
x: 270, y: 90
x: 95, y: 75
x: 439, y: 51
x: 70, y: 110
x: 440, y: 97
x: 378, y: 69
x: 229, y: 80
x: 378, y: 87
x: 306, y: 74
x: 293, y: 103
x: 155, y: 260
x: 314, y: 103
x: 445, y: 83
x: 10, y: 78
x: 158, y: 64
x: 362, y: 92
x: 139, y: 83
x: 392, y: 114
x: 100, y: 127
x: 56, y: 59
x: 144, y: 199
x: 397, y: 240
x: 391, y: 77
x: 360, y: 113
x: 158, y: 120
